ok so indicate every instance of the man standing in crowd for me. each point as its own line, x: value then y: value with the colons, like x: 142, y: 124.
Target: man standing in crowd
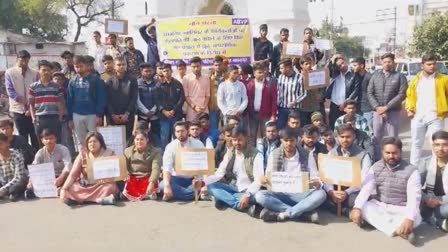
x: 270, y: 142
x: 133, y: 58
x: 434, y: 175
x: 347, y: 148
x: 290, y: 92
x: 345, y: 85
x: 197, y: 90
x: 98, y: 50
x: 290, y: 157
x: 171, y: 102
x: 386, y: 92
x: 277, y: 52
x: 114, y: 49
x: 108, y: 63
x: 152, y: 57
x: 426, y: 104
x: 232, y: 95
x: 262, y: 102
x: 173, y: 186
x: 17, y: 81
x: 216, y: 78
x: 359, y: 67
x: 395, y: 209
x: 309, y: 45
x: 121, y: 96
x: 148, y: 98
x: 85, y: 102
x: 69, y: 68
x: 263, y: 48
x: 46, y: 101
x: 181, y: 70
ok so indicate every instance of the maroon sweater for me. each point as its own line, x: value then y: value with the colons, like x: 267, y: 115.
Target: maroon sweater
x: 268, y: 99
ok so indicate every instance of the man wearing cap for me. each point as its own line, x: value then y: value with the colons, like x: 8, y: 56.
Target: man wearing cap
x: 113, y: 49
x: 262, y: 46
x: 17, y: 81
x: 152, y: 57
x: 69, y: 68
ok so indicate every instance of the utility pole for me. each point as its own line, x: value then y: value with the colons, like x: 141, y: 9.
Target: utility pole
x: 332, y: 19
x: 389, y: 14
x: 113, y: 9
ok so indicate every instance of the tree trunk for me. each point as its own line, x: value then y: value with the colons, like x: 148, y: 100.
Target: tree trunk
x: 78, y: 30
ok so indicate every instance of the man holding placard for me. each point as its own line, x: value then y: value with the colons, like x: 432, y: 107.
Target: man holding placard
x: 395, y: 209
x: 347, y: 148
x: 300, y: 195
x: 241, y: 170
x: 173, y: 186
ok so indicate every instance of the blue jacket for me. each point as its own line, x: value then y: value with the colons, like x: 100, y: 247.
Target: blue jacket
x: 152, y: 57
x: 86, y: 96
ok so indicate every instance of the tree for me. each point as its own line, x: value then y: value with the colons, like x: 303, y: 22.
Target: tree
x: 88, y: 11
x: 40, y: 17
x: 351, y: 47
x: 431, y: 37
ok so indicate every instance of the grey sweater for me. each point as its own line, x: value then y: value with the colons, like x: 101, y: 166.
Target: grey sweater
x: 387, y: 91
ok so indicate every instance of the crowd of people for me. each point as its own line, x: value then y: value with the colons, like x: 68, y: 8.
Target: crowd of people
x: 258, y: 118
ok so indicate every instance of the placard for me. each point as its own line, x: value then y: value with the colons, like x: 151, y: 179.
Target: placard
x: 292, y: 49
x: 114, y: 137
x: 195, y: 161
x: 42, y: 177
x: 322, y: 44
x: 107, y: 169
x: 289, y: 182
x: 117, y: 26
x: 344, y: 171
x: 315, y: 79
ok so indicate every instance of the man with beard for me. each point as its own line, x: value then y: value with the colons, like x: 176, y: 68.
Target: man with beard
x: 435, y: 181
x: 310, y: 143
x: 394, y: 210
x: 134, y: 58
x: 270, y: 142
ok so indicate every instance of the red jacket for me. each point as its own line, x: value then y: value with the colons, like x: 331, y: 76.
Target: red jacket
x: 268, y: 99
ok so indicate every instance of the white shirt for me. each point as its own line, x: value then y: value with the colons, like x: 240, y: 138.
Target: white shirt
x: 98, y: 51
x: 242, y: 180
x: 293, y: 165
x: 258, y: 95
x: 169, y: 156
x: 338, y: 93
x: 426, y: 98
x: 232, y: 97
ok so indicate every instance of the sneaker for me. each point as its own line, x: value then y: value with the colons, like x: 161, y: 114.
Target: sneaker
x: 153, y: 196
x: 254, y: 211
x: 205, y: 197
x: 412, y: 239
x: 29, y: 194
x: 312, y: 217
x: 13, y: 197
x: 263, y: 213
x: 444, y: 225
x: 270, y: 216
x: 109, y: 200
x: 220, y: 205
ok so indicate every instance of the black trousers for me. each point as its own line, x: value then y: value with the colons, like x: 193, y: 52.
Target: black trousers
x: 335, y: 113
x: 25, y: 127
x: 50, y: 122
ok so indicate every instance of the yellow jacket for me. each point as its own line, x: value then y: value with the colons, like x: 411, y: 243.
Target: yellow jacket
x: 441, y: 94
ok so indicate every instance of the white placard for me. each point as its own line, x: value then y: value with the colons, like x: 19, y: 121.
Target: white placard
x: 294, y: 49
x: 322, y: 44
x: 286, y: 182
x: 42, y: 177
x: 116, y: 26
x: 192, y: 161
x: 106, y: 168
x: 317, y: 78
x: 338, y: 170
x: 113, y: 137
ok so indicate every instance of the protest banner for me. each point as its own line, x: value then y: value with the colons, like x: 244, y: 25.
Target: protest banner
x: 42, y: 177
x: 319, y: 78
x: 289, y: 182
x: 182, y: 38
x: 116, y: 26
x: 114, y: 137
x: 340, y: 171
x: 195, y: 161
x: 107, y: 169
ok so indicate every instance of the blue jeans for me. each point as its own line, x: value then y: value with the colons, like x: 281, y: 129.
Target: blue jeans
x: 228, y: 194
x: 282, y: 119
x: 182, y: 188
x: 214, y: 119
x: 166, y: 131
x: 294, y: 204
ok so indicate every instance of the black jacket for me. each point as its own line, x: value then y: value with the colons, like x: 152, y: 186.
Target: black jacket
x: 352, y: 84
x: 172, y: 97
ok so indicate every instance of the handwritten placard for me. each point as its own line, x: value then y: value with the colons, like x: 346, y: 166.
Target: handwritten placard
x: 42, y: 177
x: 195, y: 161
x: 289, y: 182
x: 114, y: 137
x: 117, y: 26
x: 292, y: 49
x: 316, y: 79
x: 344, y: 171
x: 111, y: 168
x: 322, y: 44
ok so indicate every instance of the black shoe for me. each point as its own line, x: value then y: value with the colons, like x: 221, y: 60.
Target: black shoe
x: 13, y: 198
x: 29, y: 194
x: 412, y: 239
x: 254, y: 211
x: 70, y: 202
x: 220, y: 205
x: 270, y: 216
